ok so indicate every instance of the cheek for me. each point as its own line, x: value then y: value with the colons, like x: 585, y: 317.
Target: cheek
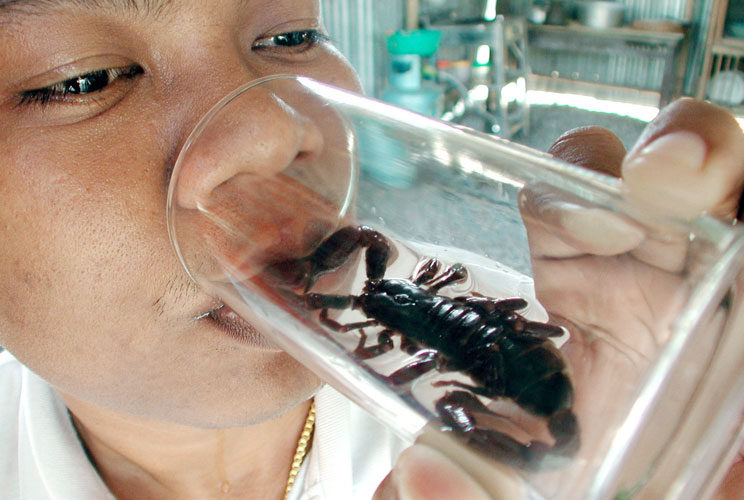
x: 84, y: 242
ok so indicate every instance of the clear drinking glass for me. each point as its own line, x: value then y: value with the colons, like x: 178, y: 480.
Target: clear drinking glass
x: 519, y: 313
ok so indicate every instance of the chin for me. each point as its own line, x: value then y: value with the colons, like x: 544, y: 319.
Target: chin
x: 226, y: 405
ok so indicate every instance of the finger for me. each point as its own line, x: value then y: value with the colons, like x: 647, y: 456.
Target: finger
x: 562, y: 226
x: 422, y: 473
x: 688, y: 161
x: 595, y: 148
x: 387, y: 489
x: 599, y: 149
x: 732, y: 487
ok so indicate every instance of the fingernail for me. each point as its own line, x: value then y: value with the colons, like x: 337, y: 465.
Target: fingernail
x: 667, y: 174
x: 598, y: 231
x: 684, y: 150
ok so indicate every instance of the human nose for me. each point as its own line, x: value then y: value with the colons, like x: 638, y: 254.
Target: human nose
x: 254, y: 132
x: 263, y: 178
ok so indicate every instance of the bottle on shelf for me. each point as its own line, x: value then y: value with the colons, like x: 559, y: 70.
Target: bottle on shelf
x: 407, y: 88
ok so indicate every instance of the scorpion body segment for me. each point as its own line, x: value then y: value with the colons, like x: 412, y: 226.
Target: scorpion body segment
x: 505, y: 355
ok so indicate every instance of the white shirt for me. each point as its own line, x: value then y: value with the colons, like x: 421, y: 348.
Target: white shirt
x: 41, y: 457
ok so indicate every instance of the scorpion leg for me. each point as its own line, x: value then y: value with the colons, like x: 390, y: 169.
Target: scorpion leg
x: 492, y: 374
x: 542, y: 330
x: 456, y: 383
x: 564, y: 427
x: 384, y: 344
x: 409, y: 346
x: 488, y: 305
x: 325, y: 302
x: 506, y: 309
x: 339, y: 327
x: 458, y: 410
x: 328, y: 301
x: 425, y: 361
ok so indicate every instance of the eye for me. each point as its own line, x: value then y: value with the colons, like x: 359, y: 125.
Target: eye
x: 296, y: 41
x: 402, y: 299
x: 79, y: 86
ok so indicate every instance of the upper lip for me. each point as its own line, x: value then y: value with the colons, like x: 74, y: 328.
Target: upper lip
x: 229, y: 319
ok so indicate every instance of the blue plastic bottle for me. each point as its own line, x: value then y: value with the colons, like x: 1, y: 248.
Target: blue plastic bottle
x: 406, y: 89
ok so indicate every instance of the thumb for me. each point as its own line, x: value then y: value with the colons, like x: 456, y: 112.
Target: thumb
x: 592, y: 147
x: 423, y: 473
x: 688, y: 161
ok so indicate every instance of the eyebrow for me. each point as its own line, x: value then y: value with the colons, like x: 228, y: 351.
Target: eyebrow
x: 9, y: 8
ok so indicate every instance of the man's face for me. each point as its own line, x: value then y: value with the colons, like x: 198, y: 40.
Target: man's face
x: 95, y: 100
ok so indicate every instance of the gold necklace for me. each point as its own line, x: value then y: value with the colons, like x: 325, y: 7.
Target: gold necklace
x: 302, y: 446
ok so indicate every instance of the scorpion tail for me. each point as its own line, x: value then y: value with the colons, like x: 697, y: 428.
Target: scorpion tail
x: 458, y: 410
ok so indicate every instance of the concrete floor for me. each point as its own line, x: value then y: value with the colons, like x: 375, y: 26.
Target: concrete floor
x: 447, y: 207
x: 547, y: 123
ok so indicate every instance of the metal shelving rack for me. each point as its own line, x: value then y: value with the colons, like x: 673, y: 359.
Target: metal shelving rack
x: 722, y: 53
x: 507, y: 111
x: 667, y: 48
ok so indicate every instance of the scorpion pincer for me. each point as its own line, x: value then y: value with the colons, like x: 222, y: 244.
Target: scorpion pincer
x: 504, y: 354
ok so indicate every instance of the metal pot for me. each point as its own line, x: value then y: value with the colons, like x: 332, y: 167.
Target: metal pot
x: 600, y: 14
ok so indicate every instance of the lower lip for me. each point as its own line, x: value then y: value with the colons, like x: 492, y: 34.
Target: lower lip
x: 228, y: 321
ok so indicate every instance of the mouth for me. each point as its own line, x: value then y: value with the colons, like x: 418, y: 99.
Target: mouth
x: 230, y: 323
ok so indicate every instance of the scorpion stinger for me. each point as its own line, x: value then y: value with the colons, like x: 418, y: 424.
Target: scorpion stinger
x: 505, y: 355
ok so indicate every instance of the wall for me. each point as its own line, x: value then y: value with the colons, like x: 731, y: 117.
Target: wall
x: 359, y: 29
x: 652, y: 9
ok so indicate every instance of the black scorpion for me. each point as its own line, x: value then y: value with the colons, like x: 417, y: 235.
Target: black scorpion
x: 504, y: 354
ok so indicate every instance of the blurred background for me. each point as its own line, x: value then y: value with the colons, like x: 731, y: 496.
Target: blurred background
x: 528, y: 70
